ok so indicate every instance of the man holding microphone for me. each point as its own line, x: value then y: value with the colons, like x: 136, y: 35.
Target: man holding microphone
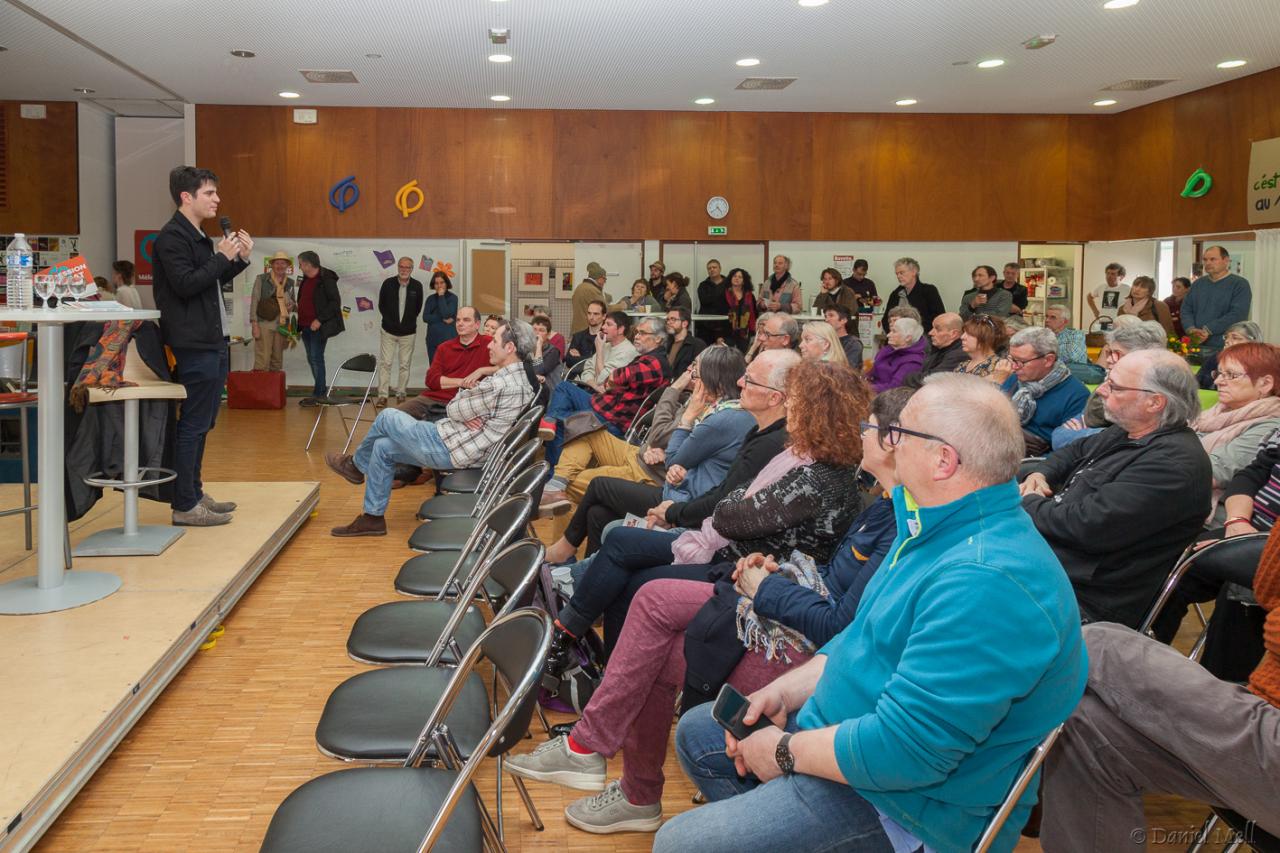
x: 188, y: 277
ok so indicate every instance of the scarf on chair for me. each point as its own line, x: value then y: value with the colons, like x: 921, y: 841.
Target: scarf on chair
x: 1024, y: 399
x: 700, y: 545
x: 760, y: 634
x: 104, y: 368
x: 1219, y: 426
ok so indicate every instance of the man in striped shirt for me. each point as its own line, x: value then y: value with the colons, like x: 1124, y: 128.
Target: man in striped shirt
x: 476, y: 418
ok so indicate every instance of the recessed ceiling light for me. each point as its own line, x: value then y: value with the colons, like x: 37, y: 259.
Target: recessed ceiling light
x: 1105, y: 102
x: 80, y: 90
x: 243, y: 54
x: 499, y: 57
x: 500, y: 98
x: 1232, y: 63
x: 813, y: 2
x: 906, y: 102
x: 1119, y: 4
x: 289, y: 94
x: 373, y: 56
x: 991, y: 63
x: 747, y: 63
x: 702, y: 102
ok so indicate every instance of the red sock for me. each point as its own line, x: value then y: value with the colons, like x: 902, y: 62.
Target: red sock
x: 576, y: 748
x: 566, y: 630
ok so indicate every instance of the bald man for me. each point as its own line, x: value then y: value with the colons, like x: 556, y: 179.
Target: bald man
x: 945, y: 352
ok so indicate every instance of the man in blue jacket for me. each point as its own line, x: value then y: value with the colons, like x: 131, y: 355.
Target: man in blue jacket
x: 914, y: 721
x: 1043, y: 390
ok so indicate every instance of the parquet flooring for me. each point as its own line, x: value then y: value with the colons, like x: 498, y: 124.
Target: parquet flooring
x: 234, y: 733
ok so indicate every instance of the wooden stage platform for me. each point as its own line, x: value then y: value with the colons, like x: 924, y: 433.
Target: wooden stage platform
x: 76, y: 681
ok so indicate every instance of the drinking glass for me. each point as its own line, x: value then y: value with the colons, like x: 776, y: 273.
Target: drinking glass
x: 82, y: 286
x: 42, y: 285
x: 62, y: 287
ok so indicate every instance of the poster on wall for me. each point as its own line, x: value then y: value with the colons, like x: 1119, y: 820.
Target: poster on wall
x: 1264, y: 182
x: 533, y: 280
x: 566, y: 283
x: 362, y: 266
x: 529, y: 307
x: 144, y: 241
x: 844, y: 264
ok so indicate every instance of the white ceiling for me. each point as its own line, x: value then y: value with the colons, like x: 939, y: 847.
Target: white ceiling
x: 848, y: 56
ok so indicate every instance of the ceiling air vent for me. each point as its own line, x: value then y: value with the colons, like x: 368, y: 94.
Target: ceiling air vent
x: 763, y: 84
x: 1135, y: 85
x: 329, y: 76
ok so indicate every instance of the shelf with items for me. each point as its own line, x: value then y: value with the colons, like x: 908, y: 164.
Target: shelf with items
x: 1046, y: 285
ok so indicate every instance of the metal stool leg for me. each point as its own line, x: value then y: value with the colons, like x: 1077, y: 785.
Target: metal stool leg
x: 23, y: 440
x: 132, y: 435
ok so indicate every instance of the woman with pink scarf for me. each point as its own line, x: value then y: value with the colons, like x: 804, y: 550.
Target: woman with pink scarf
x: 1247, y: 379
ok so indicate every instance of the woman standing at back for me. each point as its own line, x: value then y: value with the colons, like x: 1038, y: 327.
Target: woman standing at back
x: 439, y: 312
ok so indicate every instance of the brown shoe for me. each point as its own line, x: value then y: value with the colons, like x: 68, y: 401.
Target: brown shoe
x: 342, y: 465
x: 553, y: 500
x: 364, y: 525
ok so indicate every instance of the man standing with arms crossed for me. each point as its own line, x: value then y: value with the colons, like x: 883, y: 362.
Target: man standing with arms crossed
x: 1217, y: 300
x: 189, y: 274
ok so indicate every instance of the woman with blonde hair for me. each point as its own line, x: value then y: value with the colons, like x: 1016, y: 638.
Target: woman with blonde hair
x: 818, y: 342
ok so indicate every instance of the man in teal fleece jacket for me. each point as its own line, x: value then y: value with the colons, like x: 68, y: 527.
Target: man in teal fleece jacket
x: 914, y: 721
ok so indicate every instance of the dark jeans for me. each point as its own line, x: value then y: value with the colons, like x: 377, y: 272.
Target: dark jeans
x: 630, y: 558
x: 203, y: 373
x: 313, y: 343
x: 608, y: 499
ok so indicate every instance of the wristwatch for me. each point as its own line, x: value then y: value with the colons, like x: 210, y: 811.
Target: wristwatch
x: 782, y: 755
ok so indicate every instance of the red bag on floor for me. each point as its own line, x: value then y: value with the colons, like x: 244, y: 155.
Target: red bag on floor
x: 255, y: 389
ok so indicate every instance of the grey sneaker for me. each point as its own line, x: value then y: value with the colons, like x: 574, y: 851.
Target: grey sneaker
x: 200, y: 516
x: 555, y: 762
x: 220, y: 507
x: 610, y: 811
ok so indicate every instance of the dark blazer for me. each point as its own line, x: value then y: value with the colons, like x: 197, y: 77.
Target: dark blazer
x: 757, y: 449
x: 188, y: 278
x: 328, y: 304
x: 1122, y: 511
x: 389, y: 304
x: 923, y: 297
x: 585, y: 343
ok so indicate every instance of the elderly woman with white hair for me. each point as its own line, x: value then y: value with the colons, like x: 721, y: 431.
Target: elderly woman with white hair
x: 901, y: 355
x: 1245, y: 331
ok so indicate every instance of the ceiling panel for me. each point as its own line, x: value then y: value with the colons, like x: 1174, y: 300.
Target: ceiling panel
x: 847, y: 56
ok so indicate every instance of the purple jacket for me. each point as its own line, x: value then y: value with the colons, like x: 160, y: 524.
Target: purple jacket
x: 891, y: 365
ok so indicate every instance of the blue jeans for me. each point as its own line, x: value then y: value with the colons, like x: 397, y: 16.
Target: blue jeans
x: 795, y: 812
x: 396, y: 438
x: 567, y: 399
x: 314, y: 343
x: 203, y: 372
x: 1062, y: 436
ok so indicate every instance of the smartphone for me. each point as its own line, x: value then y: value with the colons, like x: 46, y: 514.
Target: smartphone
x: 729, y: 709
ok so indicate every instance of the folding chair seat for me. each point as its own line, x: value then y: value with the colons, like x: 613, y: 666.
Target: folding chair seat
x: 433, y: 573
x: 431, y: 632
x: 363, y: 363
x: 412, y: 807
x: 452, y: 534
x: 472, y: 505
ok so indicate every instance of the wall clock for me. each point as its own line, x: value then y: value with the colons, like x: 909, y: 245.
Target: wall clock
x: 717, y: 207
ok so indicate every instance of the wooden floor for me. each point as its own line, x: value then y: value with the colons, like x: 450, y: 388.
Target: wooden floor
x: 234, y: 733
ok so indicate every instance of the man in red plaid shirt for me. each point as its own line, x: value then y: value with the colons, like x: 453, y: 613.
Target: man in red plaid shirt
x: 625, y: 390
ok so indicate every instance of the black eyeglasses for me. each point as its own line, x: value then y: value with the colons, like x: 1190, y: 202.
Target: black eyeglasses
x: 1020, y: 362
x: 747, y: 380
x: 893, y: 434
x: 1114, y: 387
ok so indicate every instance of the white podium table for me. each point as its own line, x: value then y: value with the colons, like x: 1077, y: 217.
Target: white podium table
x: 53, y: 588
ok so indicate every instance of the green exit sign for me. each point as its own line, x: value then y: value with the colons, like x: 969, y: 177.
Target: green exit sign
x: 717, y: 230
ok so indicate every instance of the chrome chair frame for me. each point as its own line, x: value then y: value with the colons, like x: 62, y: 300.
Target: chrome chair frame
x: 362, y: 363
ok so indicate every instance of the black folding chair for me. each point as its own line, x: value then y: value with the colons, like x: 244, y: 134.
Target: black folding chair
x: 451, y: 534
x: 436, y: 574
x: 363, y: 363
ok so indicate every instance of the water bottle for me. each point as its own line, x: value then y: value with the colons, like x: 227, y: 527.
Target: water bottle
x: 17, y: 258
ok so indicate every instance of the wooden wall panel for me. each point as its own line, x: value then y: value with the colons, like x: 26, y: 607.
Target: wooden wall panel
x: 43, y: 172
x: 619, y: 175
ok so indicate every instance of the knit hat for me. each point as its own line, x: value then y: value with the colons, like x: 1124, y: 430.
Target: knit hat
x: 594, y: 270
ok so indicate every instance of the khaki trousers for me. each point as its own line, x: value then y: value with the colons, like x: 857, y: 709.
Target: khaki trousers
x: 268, y: 348
x: 394, y: 348
x: 598, y: 454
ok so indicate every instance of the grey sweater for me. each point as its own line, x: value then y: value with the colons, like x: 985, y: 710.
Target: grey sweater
x: 1216, y: 306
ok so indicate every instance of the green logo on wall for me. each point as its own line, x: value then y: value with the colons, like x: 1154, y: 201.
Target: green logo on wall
x: 1197, y: 185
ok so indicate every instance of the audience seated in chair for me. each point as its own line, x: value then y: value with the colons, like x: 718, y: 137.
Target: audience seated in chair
x: 985, y: 341
x: 682, y: 346
x: 476, y: 418
x: 1044, y: 392
x: 945, y: 352
x: 611, y: 498
x: 459, y: 363
x: 787, y: 612
x: 774, y: 330
x: 839, y: 318
x: 1072, y: 349
x: 582, y: 344
x: 1120, y: 506
x: 617, y: 386
x: 910, y: 725
x: 1120, y: 341
x: 902, y: 354
x: 1154, y: 722
x: 804, y: 498
x: 700, y: 439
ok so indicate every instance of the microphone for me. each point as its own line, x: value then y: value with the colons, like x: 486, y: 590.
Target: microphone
x: 225, y: 224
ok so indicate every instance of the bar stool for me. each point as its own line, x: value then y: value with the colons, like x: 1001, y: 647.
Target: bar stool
x: 20, y: 400
x: 132, y: 539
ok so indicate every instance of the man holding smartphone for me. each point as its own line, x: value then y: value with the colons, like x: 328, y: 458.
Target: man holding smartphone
x: 188, y: 277
x: 910, y: 725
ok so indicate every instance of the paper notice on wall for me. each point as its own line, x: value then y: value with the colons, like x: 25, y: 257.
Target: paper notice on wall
x: 1264, y: 182
x: 844, y: 263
